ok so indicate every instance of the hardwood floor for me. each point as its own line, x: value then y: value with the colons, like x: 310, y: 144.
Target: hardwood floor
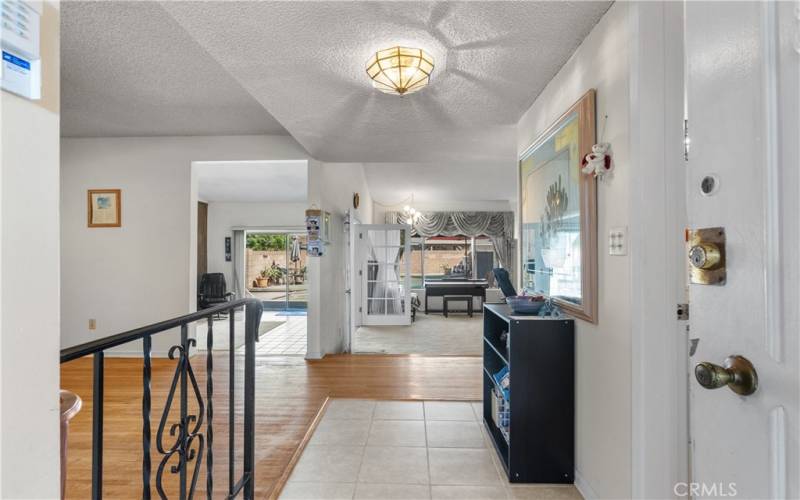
x: 289, y: 393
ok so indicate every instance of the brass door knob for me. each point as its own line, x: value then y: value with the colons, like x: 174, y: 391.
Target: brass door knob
x: 737, y: 372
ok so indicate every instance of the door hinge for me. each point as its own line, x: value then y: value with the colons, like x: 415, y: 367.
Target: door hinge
x: 359, y: 309
x: 360, y: 236
x: 360, y: 273
x: 682, y: 312
x: 686, y: 140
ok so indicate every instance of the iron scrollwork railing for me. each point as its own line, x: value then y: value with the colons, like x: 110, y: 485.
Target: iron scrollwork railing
x: 183, y: 445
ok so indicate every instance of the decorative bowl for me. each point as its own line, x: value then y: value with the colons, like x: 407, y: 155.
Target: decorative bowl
x: 523, y: 304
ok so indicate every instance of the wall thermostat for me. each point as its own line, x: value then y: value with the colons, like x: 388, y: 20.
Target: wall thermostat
x: 21, y: 68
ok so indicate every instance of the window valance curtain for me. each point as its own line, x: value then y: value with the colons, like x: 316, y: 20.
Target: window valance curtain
x: 498, y: 226
x: 492, y: 224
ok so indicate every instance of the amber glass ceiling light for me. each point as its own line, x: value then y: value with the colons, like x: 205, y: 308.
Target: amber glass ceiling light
x: 400, y: 70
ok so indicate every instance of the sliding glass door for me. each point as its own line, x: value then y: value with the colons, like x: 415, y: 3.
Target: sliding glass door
x: 276, y: 269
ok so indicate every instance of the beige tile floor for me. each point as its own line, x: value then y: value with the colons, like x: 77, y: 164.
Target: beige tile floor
x: 382, y: 450
x: 288, y: 339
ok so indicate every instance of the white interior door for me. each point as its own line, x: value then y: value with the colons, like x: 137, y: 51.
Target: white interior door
x: 384, y: 268
x: 742, y: 102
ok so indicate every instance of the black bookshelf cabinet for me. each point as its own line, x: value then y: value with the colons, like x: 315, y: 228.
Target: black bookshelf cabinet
x: 536, y: 438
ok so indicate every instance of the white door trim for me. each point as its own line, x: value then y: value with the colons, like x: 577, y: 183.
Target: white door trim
x: 657, y: 217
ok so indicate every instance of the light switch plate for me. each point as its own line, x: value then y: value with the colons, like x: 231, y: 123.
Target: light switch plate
x: 618, y: 241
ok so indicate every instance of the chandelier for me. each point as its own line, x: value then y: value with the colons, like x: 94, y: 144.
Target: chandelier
x: 411, y: 215
x: 400, y: 70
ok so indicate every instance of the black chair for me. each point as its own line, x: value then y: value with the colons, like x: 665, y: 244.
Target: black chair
x: 212, y: 291
x: 504, y: 282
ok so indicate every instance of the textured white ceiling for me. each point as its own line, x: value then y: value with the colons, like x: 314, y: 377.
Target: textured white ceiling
x: 444, y: 182
x: 253, y: 181
x: 128, y: 69
x: 304, y: 62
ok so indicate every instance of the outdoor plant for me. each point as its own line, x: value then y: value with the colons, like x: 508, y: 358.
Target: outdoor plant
x: 274, y: 273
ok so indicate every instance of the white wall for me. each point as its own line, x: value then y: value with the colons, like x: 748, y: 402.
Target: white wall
x: 603, y: 351
x: 29, y: 292
x: 139, y: 273
x: 222, y: 216
x: 331, y: 188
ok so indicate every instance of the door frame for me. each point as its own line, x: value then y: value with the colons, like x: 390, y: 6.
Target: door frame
x: 375, y: 320
x: 659, y: 400
x: 354, y: 314
x: 287, y: 230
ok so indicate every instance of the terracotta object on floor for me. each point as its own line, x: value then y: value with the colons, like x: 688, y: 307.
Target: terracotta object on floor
x: 70, y: 406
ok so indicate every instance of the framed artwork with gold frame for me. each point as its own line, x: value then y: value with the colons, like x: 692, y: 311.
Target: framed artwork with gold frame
x: 558, y: 213
x: 104, y: 207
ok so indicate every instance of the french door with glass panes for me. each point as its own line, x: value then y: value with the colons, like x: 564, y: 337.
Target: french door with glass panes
x: 384, y: 269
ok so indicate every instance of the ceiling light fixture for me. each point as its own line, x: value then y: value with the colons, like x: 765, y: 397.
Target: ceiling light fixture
x: 410, y: 214
x: 400, y: 70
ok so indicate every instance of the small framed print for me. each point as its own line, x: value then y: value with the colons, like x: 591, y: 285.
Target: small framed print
x: 104, y: 207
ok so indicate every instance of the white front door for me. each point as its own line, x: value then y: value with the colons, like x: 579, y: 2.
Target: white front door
x: 385, y: 273
x: 742, y: 104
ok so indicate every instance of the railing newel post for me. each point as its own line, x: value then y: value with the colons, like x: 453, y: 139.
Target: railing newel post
x: 183, y: 454
x: 97, y: 425
x: 252, y: 320
x: 210, y: 409
x: 146, y: 404
x: 231, y: 399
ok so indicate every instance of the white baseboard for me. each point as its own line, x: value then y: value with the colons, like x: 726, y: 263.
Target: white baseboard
x: 314, y: 355
x: 583, y: 486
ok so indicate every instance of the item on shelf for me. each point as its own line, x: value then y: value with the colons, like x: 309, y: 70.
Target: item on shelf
x: 501, y: 413
x: 526, y: 304
x: 550, y: 309
x: 503, y: 381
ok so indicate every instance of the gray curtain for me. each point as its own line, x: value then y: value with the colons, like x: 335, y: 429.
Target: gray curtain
x: 498, y: 226
x: 238, y: 264
x: 492, y: 224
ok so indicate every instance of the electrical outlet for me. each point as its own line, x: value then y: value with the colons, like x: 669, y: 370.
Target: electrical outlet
x: 92, y: 324
x: 618, y: 241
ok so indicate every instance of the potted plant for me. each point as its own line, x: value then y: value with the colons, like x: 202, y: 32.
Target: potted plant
x: 274, y: 274
x: 262, y: 281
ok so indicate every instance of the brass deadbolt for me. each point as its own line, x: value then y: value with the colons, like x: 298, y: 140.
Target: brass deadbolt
x: 737, y: 372
x: 707, y: 256
x: 704, y: 256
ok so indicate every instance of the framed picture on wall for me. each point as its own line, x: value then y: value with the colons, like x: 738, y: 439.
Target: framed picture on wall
x: 104, y: 207
x: 558, y: 213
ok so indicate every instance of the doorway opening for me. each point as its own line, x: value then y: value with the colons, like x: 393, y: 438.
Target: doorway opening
x: 276, y: 272
x: 276, y: 269
x: 435, y: 267
x: 250, y: 240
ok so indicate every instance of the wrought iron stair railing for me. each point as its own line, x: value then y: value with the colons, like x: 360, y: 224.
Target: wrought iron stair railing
x: 192, y: 439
